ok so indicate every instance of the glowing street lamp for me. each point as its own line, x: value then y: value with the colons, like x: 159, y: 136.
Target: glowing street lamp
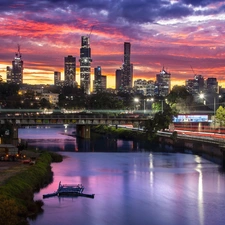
x: 148, y: 100
x: 202, y: 96
x: 136, y: 100
x: 214, y: 110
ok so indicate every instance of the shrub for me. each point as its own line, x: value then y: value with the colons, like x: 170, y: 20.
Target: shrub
x: 17, y: 192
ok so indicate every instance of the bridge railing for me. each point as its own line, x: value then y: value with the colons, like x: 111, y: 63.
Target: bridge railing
x: 208, y: 139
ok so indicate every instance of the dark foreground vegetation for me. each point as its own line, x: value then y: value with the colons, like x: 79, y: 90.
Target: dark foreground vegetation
x: 123, y: 133
x: 17, y: 192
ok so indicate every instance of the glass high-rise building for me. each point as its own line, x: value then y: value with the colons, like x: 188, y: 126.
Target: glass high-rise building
x: 118, y: 79
x: 57, y: 78
x: 15, y: 76
x: 104, y: 82
x: 85, y: 64
x: 127, y: 69
x: 69, y: 70
x: 97, y: 84
x: 163, y: 83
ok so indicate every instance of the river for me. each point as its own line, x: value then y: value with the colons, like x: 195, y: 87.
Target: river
x: 132, y: 185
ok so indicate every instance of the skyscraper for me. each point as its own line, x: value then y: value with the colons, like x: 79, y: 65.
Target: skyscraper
x: 118, y: 79
x: 127, y: 69
x: 163, y: 83
x: 103, y: 82
x: 70, y: 70
x: 57, y: 78
x: 97, y: 83
x: 212, y: 85
x: 15, y: 76
x: 85, y: 64
x: 196, y: 85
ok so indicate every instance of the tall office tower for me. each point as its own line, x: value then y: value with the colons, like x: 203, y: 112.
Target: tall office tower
x: 57, y: 78
x: 163, y: 83
x: 212, y: 85
x: 70, y: 70
x: 118, y: 79
x: 97, y: 83
x: 127, y: 70
x: 201, y: 82
x: 104, y: 82
x: 16, y: 75
x: 85, y: 64
x: 196, y: 85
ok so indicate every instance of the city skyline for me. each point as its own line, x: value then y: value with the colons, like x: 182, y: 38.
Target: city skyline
x: 183, y: 36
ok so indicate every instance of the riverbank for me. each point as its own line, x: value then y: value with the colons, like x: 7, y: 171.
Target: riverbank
x: 211, y: 150
x: 17, y: 188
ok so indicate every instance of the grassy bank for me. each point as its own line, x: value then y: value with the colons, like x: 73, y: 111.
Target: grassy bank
x: 17, y: 192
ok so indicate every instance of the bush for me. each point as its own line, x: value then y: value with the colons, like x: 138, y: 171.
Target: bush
x: 17, y: 192
x: 122, y: 133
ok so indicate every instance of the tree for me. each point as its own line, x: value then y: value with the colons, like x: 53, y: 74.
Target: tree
x: 44, y: 103
x: 160, y: 121
x: 72, y: 98
x: 9, y: 95
x: 180, y: 99
x: 103, y: 100
x: 149, y: 129
x: 220, y: 115
x: 6, y: 132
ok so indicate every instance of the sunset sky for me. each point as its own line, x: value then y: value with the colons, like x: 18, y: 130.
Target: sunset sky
x: 177, y: 34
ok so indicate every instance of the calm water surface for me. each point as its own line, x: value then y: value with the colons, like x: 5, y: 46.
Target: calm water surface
x: 130, y: 187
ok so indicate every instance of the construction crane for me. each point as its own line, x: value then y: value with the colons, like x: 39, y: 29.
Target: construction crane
x: 90, y: 31
x: 193, y: 70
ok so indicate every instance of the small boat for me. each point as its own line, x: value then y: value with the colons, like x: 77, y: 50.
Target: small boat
x: 67, y: 189
x: 70, y: 191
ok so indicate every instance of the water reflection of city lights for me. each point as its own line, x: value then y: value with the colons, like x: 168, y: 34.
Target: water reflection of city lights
x: 66, y: 126
x: 200, y: 189
x: 151, y: 169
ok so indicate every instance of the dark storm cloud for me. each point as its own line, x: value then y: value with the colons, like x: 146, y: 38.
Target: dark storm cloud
x: 136, y: 11
x: 201, y: 2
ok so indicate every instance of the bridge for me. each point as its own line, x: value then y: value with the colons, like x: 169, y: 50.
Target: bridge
x: 83, y: 121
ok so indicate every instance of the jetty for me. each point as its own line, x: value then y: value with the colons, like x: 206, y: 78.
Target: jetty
x: 69, y: 191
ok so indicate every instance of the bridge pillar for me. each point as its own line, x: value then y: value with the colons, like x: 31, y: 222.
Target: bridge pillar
x: 83, y: 131
x: 15, y: 135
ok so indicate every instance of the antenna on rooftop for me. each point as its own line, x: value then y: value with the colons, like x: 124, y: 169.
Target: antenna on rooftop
x: 18, y: 46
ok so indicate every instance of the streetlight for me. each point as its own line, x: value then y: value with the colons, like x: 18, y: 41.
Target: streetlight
x: 135, y: 101
x: 214, y: 111
x: 161, y: 105
x: 202, y: 96
x: 148, y: 100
